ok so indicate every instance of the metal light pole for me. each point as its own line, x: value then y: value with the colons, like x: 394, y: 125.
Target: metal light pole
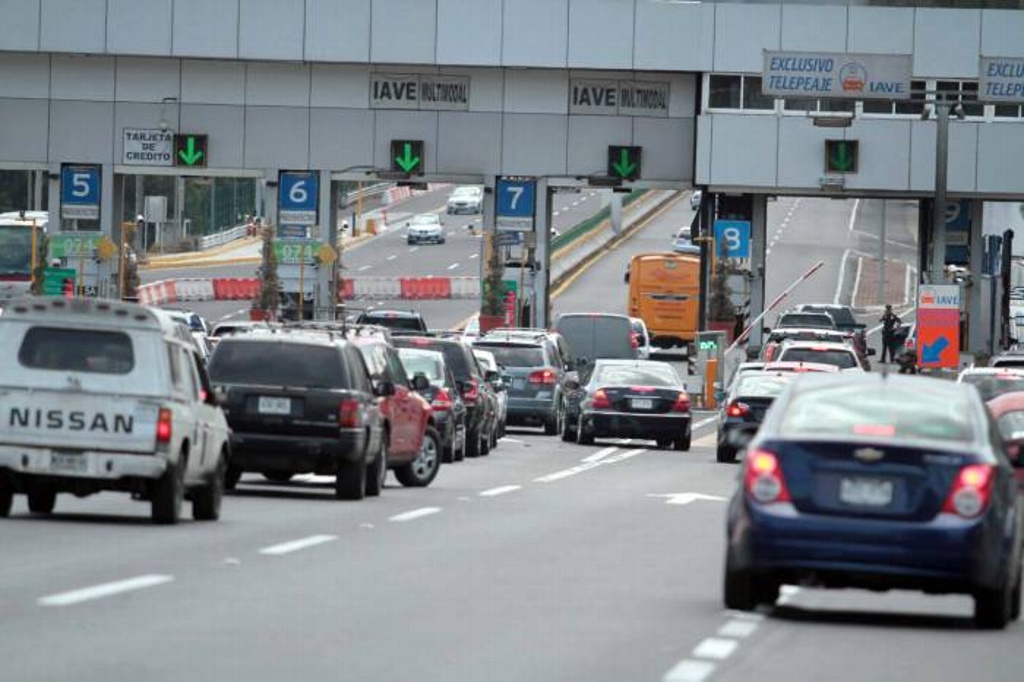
x: 938, y: 264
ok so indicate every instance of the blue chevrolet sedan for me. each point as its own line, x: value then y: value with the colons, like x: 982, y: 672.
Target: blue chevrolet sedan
x: 878, y: 482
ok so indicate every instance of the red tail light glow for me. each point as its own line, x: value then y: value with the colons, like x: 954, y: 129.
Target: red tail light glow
x: 737, y: 409
x: 471, y: 391
x: 634, y: 340
x: 163, y: 426
x: 763, y: 479
x: 600, y: 400
x: 545, y: 377
x: 348, y: 413
x: 442, y: 400
x: 970, y: 492
x: 682, y: 403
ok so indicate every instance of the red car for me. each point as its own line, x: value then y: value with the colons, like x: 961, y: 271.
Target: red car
x: 412, y: 445
x: 1008, y: 411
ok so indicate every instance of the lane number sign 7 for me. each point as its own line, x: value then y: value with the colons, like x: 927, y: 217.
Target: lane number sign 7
x: 516, y: 191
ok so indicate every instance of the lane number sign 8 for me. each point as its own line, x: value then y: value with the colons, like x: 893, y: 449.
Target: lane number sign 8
x: 732, y: 238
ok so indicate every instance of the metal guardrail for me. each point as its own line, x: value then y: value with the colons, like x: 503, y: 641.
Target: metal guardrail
x: 372, y: 190
x: 224, y: 237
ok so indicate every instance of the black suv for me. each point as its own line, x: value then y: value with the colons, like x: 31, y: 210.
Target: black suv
x: 481, y: 404
x: 300, y: 402
x: 398, y: 321
x: 535, y: 372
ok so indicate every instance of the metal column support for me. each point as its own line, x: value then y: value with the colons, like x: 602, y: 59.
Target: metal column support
x: 938, y: 259
x: 269, y: 186
x: 541, y: 306
x: 979, y: 319
x: 107, y: 199
x: 758, y: 256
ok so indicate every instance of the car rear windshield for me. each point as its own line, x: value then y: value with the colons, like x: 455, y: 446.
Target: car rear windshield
x: 265, y: 363
x: 842, y: 316
x: 753, y: 385
x: 839, y: 358
x: 431, y: 365
x: 1008, y: 362
x: 624, y: 375
x: 597, y: 336
x: 1011, y: 425
x: 393, y: 321
x: 77, y: 350
x: 515, y: 356
x: 865, y: 410
x: 816, y: 320
x: 454, y: 354
x: 994, y: 385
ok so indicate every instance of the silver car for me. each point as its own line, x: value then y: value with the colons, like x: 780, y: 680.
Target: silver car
x: 467, y: 199
x: 425, y: 227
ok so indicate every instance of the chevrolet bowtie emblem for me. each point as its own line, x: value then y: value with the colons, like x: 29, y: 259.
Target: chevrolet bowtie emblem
x: 868, y: 454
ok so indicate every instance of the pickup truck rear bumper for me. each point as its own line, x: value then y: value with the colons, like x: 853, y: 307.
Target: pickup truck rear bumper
x: 86, y: 464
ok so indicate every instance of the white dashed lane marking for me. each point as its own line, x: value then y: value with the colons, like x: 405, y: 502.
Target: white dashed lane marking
x: 494, y: 492
x: 296, y: 545
x: 414, y: 514
x: 104, y: 590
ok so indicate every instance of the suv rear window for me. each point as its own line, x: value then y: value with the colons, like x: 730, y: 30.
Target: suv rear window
x: 455, y: 354
x: 394, y: 321
x: 597, y: 336
x: 77, y: 350
x: 264, y: 363
x: 840, y: 358
x: 816, y: 320
x: 515, y: 356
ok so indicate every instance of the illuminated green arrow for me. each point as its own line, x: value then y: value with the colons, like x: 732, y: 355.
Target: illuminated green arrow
x: 190, y: 155
x: 624, y: 167
x: 842, y: 159
x: 407, y: 161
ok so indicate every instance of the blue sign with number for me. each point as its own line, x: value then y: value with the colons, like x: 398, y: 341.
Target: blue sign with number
x: 958, y: 232
x: 732, y: 238
x: 80, y: 192
x: 298, y: 196
x: 516, y: 198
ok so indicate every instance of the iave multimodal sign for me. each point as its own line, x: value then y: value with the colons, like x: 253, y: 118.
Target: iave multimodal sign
x: 1001, y: 79
x: 423, y: 92
x: 836, y: 75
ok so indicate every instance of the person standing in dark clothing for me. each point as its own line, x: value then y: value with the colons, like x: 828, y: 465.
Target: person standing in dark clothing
x: 890, y: 325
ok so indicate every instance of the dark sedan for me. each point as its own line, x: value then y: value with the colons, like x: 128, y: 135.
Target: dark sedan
x: 629, y: 399
x: 443, y: 394
x: 878, y: 482
x: 749, y: 399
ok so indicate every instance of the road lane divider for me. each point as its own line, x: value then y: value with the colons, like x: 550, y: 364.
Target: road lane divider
x: 414, y: 514
x: 501, y: 490
x: 296, y: 545
x: 104, y: 590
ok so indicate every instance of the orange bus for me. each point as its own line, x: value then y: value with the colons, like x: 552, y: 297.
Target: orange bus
x: 664, y: 291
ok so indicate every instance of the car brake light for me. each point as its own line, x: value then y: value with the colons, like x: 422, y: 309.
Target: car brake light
x: 737, y: 409
x: 442, y: 400
x: 682, y: 403
x: 971, y: 491
x: 542, y: 376
x: 421, y: 342
x: 348, y: 413
x: 471, y: 392
x: 601, y: 399
x: 163, y: 426
x: 763, y: 479
x: 634, y: 340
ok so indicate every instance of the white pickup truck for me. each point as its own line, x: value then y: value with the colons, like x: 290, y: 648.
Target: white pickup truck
x: 101, y: 395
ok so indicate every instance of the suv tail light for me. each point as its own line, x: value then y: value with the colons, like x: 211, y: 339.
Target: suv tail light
x: 763, y: 480
x: 600, y: 400
x: 471, y: 391
x: 348, y: 413
x: 442, y: 400
x: 682, y: 403
x: 737, y: 409
x: 970, y: 492
x: 545, y: 377
x: 634, y: 340
x: 163, y: 426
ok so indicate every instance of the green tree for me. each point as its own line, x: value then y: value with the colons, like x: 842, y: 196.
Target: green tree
x: 721, y: 308
x: 270, y: 284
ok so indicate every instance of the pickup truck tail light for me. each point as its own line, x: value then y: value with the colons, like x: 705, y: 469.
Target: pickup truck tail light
x: 163, y: 426
x: 348, y: 413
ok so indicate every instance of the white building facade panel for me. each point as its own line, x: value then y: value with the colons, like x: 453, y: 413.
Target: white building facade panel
x: 25, y: 15
x: 140, y: 27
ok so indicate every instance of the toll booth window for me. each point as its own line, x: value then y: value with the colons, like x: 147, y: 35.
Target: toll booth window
x: 967, y: 94
x: 77, y: 350
x: 916, y: 105
x: 725, y: 92
x: 752, y: 96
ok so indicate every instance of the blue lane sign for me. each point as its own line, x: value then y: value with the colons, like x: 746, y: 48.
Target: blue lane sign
x: 515, y: 204
x: 732, y: 238
x: 958, y: 232
x: 80, y: 192
x: 298, y: 197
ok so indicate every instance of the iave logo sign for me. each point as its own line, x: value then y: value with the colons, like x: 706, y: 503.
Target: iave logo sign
x: 836, y: 75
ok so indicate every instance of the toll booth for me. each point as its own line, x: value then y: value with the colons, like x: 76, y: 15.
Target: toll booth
x: 710, y: 365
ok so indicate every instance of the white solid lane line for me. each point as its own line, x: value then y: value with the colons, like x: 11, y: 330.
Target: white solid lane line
x: 393, y: 256
x: 415, y: 514
x: 689, y: 671
x: 494, y: 492
x: 365, y: 267
x: 453, y: 266
x: 738, y: 628
x: 104, y: 590
x: 716, y: 648
x: 599, y: 455
x: 296, y: 545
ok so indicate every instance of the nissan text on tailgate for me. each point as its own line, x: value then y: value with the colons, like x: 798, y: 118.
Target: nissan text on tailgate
x: 99, y: 395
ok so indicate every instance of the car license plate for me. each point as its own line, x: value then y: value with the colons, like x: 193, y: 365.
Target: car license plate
x: 641, y: 403
x: 271, y: 405
x: 518, y: 384
x: 69, y: 462
x: 866, y: 492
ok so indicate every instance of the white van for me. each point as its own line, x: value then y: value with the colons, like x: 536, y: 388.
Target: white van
x: 102, y: 395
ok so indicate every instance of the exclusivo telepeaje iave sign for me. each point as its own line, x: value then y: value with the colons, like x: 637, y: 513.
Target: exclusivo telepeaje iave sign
x: 1001, y: 79
x: 836, y: 75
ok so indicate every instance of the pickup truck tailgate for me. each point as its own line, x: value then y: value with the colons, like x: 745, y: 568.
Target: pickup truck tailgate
x: 76, y: 420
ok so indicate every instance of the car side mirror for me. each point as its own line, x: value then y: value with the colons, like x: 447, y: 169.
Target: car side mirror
x: 384, y: 389
x: 420, y: 382
x: 872, y: 351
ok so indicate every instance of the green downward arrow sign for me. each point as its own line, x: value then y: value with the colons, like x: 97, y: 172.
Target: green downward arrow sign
x: 624, y: 167
x: 190, y: 155
x: 842, y: 159
x: 407, y: 161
